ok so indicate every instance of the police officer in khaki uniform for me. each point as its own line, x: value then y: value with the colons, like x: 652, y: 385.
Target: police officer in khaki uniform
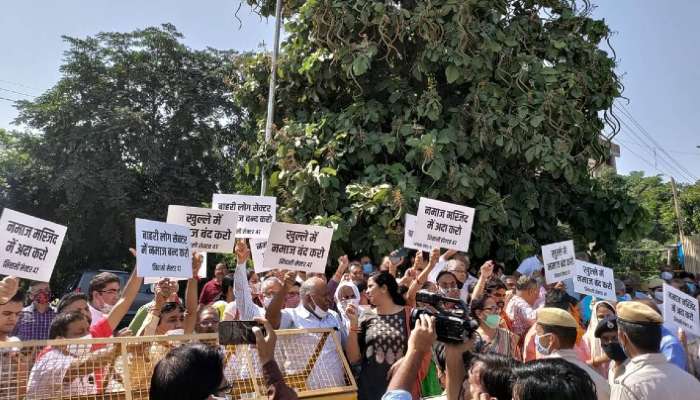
x: 555, y: 338
x: 647, y: 376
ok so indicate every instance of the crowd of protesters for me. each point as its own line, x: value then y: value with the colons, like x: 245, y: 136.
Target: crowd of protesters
x: 531, y: 340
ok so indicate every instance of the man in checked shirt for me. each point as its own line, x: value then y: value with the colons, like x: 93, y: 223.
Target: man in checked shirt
x: 35, y: 320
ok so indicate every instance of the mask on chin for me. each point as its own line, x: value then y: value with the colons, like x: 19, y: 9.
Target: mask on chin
x: 318, y: 311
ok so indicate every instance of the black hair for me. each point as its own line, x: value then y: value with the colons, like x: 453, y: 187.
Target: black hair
x: 173, y: 375
x: 497, y: 374
x: 384, y: 278
x: 68, y: 299
x: 59, y: 325
x: 440, y: 356
x: 495, y: 284
x: 477, y: 304
x: 170, y: 307
x: 556, y: 298
x: 445, y: 272
x: 552, y: 379
x: 566, y: 335
x: 100, y: 281
x: 17, y: 298
x: 645, y: 337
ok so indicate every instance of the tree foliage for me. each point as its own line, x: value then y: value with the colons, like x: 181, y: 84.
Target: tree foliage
x: 490, y: 103
x: 138, y: 121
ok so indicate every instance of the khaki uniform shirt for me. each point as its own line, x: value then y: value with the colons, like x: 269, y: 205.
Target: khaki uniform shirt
x: 601, y: 384
x: 651, y: 377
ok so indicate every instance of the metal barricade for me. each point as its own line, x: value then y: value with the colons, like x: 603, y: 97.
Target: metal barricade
x: 311, y: 361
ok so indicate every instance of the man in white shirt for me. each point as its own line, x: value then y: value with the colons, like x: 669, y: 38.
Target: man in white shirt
x: 245, y: 306
x: 103, y: 294
x: 312, y: 313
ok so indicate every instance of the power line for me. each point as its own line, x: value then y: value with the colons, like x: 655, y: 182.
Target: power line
x: 652, y: 146
x: 657, y: 157
x: 6, y: 99
x: 18, y: 84
x: 16, y: 92
x: 680, y: 167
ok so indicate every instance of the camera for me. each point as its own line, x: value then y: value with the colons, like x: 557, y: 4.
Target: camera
x: 451, y: 325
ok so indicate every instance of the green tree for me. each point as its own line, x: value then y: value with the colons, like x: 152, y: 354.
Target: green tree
x: 490, y: 103
x: 138, y: 121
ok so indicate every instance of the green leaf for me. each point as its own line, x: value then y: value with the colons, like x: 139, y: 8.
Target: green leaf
x: 360, y: 65
x: 536, y: 121
x: 452, y: 73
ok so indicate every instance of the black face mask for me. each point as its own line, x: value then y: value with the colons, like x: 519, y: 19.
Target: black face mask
x: 614, y: 351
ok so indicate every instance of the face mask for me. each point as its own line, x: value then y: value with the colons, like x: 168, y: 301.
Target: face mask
x: 344, y: 303
x: 624, y: 297
x: 79, y: 350
x: 492, y: 320
x: 641, y: 295
x: 318, y: 311
x: 667, y: 276
x: 691, y: 287
x: 540, y: 348
x: 266, y: 301
x: 41, y: 298
x: 367, y: 268
x: 659, y: 296
x: 175, y: 332
x: 614, y: 351
x: 106, y: 308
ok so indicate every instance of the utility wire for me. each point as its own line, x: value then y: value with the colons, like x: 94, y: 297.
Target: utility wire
x: 680, y: 167
x: 16, y: 92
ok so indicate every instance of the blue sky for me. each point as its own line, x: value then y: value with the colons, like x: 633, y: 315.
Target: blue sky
x: 658, y: 50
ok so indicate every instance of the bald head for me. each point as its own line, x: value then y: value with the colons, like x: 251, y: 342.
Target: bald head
x: 313, y: 293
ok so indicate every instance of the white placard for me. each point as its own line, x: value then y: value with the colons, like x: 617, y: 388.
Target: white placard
x: 681, y: 310
x: 594, y: 280
x: 29, y: 246
x: 559, y: 259
x: 255, y: 213
x: 210, y: 231
x: 442, y: 225
x: 409, y: 229
x: 163, y: 249
x: 202, y: 274
x: 297, y: 247
x: 257, y: 249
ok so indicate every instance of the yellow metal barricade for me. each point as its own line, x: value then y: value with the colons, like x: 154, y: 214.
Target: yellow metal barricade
x: 311, y: 361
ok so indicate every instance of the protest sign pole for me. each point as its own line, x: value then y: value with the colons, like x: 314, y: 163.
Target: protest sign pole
x: 272, y: 88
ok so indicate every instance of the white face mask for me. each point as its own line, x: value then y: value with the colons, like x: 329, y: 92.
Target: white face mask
x: 255, y: 287
x: 79, y: 350
x: 667, y: 276
x: 344, y: 303
x: 318, y: 311
x: 106, y: 308
x: 267, y: 300
x: 174, y: 332
x: 659, y: 296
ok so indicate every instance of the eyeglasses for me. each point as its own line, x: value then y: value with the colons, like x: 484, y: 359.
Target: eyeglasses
x: 109, y: 291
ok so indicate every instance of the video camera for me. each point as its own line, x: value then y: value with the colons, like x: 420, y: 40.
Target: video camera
x: 451, y: 326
